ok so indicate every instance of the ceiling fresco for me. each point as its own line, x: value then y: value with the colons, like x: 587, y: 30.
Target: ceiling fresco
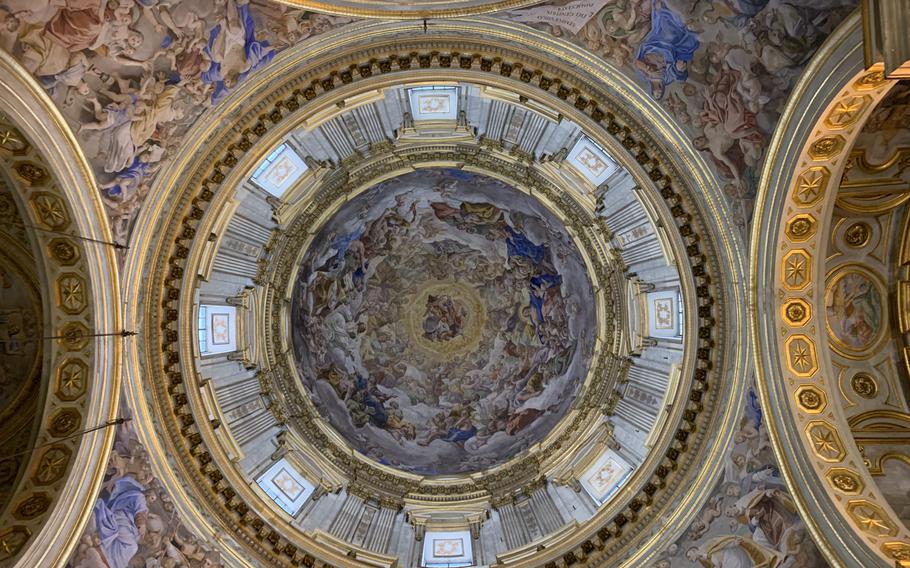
x: 487, y: 319
x: 723, y: 69
x: 443, y: 322
x: 132, y: 77
x: 888, y: 127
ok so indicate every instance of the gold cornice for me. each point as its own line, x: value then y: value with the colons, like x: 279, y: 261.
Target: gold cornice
x: 391, y: 10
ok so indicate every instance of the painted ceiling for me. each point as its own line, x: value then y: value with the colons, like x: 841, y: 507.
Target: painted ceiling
x: 442, y: 321
x: 132, y: 78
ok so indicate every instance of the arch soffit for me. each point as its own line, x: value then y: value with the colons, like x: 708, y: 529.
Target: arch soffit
x: 835, y: 493
x: 52, y: 178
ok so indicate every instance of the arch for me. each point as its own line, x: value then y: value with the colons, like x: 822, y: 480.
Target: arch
x: 801, y: 175
x: 69, y: 191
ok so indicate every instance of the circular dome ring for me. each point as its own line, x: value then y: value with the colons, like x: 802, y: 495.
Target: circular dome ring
x: 613, y: 129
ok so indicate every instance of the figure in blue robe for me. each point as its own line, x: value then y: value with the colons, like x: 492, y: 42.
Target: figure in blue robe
x: 129, y: 179
x: 459, y: 435
x: 745, y: 11
x: 256, y: 53
x: 537, y: 293
x: 665, y: 53
x: 115, y: 521
x: 517, y: 244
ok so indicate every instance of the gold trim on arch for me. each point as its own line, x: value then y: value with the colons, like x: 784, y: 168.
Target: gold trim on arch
x: 422, y: 9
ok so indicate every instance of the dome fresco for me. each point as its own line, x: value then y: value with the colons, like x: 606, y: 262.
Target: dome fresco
x: 443, y: 322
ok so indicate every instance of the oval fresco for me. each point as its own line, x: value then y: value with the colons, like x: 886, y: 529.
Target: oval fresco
x: 855, y: 313
x: 443, y: 322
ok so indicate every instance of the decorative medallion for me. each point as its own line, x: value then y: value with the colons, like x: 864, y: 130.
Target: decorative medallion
x: 797, y: 269
x: 11, y: 541
x: 63, y: 251
x: 32, y: 507
x: 900, y: 551
x: 65, y: 422
x: 12, y: 140
x: 801, y: 358
x: 73, y: 336
x: 845, y: 481
x: 50, y: 209
x: 871, y: 518
x: 826, y: 148
x: 484, y: 299
x: 801, y: 227
x: 71, y: 293
x: 797, y: 312
x: 847, y: 111
x: 825, y: 441
x: 52, y: 465
x: 811, y: 185
x: 31, y: 174
x: 811, y: 399
x: 72, y: 377
x: 855, y: 317
x: 864, y: 384
x: 870, y: 81
x: 857, y: 235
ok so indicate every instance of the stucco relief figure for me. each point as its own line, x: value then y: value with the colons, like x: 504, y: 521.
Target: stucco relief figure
x: 434, y: 322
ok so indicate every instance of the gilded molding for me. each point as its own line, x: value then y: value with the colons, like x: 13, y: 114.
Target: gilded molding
x: 801, y: 177
x: 45, y: 167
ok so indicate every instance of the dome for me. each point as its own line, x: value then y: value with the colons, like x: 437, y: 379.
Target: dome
x: 442, y: 321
